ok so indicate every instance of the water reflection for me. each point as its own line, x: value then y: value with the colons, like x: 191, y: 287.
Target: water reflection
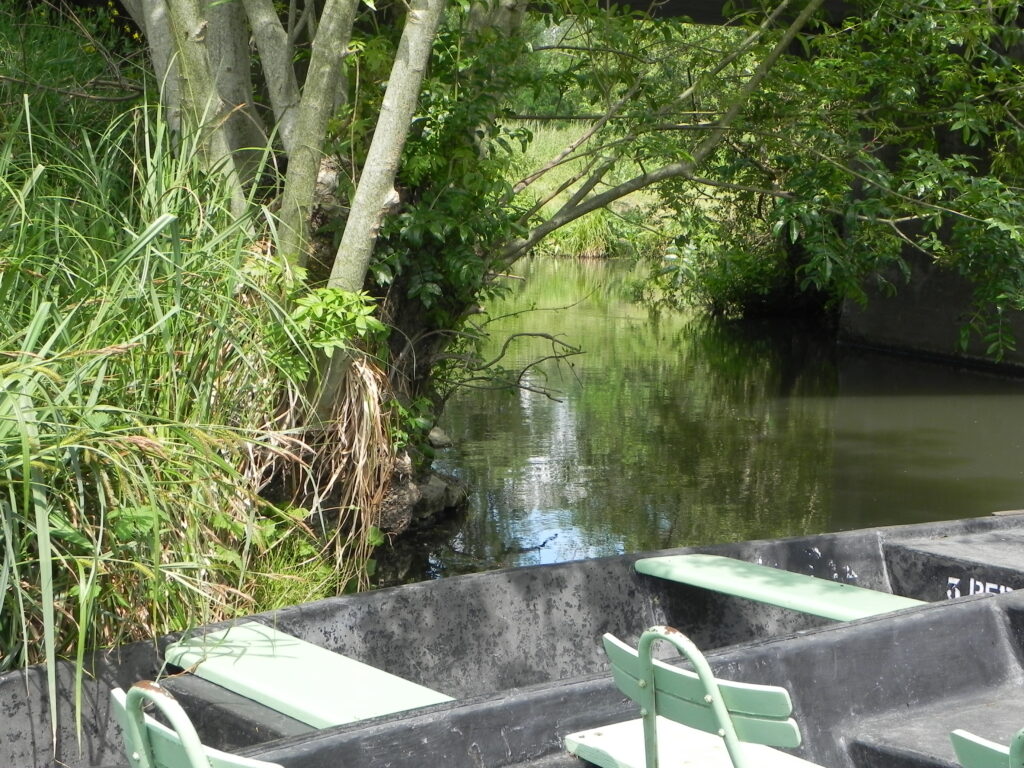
x: 916, y: 441
x: 675, y: 430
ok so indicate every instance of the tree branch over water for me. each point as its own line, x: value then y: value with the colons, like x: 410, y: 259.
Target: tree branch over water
x: 494, y: 376
x: 580, y: 204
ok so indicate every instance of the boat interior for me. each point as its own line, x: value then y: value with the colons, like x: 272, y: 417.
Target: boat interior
x: 520, y: 653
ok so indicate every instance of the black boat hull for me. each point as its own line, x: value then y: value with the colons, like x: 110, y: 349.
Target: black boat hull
x: 519, y: 649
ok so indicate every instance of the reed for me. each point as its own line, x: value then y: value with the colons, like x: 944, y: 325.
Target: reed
x: 151, y: 388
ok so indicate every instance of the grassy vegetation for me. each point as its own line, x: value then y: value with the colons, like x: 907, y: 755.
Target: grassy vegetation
x: 152, y: 383
x: 635, y: 226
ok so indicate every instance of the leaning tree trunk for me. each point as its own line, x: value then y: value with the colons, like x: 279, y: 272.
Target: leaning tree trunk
x: 276, y: 53
x: 375, y: 191
x: 376, y: 184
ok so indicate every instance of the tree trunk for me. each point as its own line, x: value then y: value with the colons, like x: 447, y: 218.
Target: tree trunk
x: 376, y: 184
x: 318, y: 95
x: 276, y: 57
x: 153, y: 17
x: 228, y: 44
x: 202, y: 109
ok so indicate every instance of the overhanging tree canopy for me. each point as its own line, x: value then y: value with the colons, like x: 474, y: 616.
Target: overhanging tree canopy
x: 200, y: 51
x: 812, y: 152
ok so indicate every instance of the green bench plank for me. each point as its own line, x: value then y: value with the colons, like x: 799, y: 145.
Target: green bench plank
x: 975, y: 752
x: 312, y: 684
x: 622, y: 746
x: 796, y: 591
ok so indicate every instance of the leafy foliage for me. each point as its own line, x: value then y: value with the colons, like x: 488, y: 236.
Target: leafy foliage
x: 453, y: 178
x: 857, y: 154
x: 332, y: 318
x: 71, y: 73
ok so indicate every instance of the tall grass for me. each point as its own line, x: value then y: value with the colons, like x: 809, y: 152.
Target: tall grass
x: 151, y: 387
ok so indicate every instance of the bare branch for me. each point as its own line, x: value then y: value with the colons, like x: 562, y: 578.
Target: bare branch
x: 541, y: 202
x: 330, y: 46
x: 751, y: 40
x: 591, y: 49
x: 132, y: 94
x: 773, y: 192
x: 519, y: 186
x: 491, y: 379
x: 580, y: 207
x: 376, y: 183
x: 503, y: 352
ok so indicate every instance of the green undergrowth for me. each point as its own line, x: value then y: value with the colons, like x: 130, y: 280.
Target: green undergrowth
x: 152, y: 381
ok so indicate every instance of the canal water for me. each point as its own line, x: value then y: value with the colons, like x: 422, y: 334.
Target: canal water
x: 671, y: 430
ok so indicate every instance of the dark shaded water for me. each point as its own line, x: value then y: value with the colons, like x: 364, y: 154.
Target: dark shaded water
x: 674, y: 430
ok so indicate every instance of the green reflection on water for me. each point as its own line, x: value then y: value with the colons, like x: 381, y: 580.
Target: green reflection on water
x: 674, y: 430
x: 670, y: 430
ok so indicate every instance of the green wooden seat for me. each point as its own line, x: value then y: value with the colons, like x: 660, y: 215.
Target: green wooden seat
x: 150, y: 744
x: 975, y: 752
x: 689, y: 718
x: 795, y: 591
x: 304, y: 681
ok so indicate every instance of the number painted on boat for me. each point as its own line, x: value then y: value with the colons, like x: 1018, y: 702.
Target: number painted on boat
x: 956, y: 587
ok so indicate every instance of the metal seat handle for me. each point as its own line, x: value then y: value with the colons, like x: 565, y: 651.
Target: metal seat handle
x: 161, y: 698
